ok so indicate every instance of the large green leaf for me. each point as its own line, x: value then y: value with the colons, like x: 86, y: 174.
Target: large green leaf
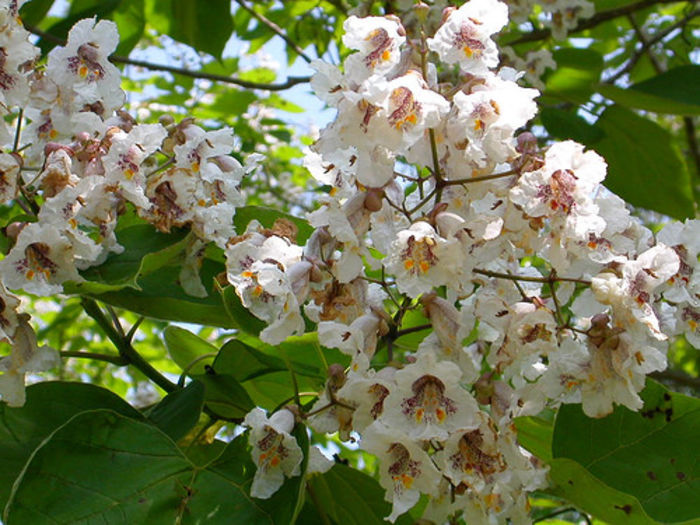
x: 265, y: 375
x: 564, y: 125
x: 131, y: 22
x: 535, y: 434
x: 350, y: 497
x: 679, y: 85
x: 571, y: 481
x: 162, y: 297
x: 644, y: 167
x: 34, y: 12
x: 185, y: 348
x: 651, y: 455
x: 101, y: 467
x: 675, y: 91
x: 145, y: 250
x: 48, y: 406
x: 578, y: 71
x: 224, y: 395
x: 206, y: 26
x: 178, y: 412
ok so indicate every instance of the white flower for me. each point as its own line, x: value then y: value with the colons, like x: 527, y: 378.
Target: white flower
x: 405, y: 469
x: 378, y: 40
x: 123, y: 162
x: 26, y: 357
x: 428, y: 401
x: 82, y: 66
x: 465, y: 37
x: 9, y: 169
x: 276, y: 453
x: 421, y: 259
x: 486, y: 119
x: 40, y: 262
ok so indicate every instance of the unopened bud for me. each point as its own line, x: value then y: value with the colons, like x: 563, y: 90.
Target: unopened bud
x: 336, y: 377
x: 166, y: 120
x: 12, y: 230
x: 422, y: 10
x: 527, y: 143
x: 373, y: 199
x: 483, y: 388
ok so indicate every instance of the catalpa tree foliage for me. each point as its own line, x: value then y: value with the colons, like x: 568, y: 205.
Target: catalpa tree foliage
x: 441, y: 303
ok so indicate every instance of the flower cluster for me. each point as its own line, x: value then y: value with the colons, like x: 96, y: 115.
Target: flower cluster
x: 534, y: 284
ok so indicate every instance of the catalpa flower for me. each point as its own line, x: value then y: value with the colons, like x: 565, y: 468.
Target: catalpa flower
x: 421, y: 259
x: 428, y: 401
x: 123, y: 162
x: 276, y: 453
x: 406, y: 109
x: 487, y: 117
x: 40, y: 262
x: 82, y: 66
x: 26, y: 357
x: 378, y: 40
x: 465, y: 37
x: 406, y: 471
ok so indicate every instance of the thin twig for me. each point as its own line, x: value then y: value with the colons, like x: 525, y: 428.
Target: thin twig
x: 126, y: 351
x: 275, y: 29
x: 469, y: 180
x: 639, y: 53
x: 545, y: 280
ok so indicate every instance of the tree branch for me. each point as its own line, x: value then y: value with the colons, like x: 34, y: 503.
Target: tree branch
x: 598, y: 18
x: 275, y: 29
x: 646, y: 44
x: 126, y: 351
x: 677, y: 377
x: 290, y: 82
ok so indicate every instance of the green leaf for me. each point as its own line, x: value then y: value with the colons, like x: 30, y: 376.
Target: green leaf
x: 238, y: 315
x: 351, y: 497
x: 564, y: 125
x: 102, y: 467
x: 267, y: 217
x: 145, y: 250
x: 644, y: 167
x: 162, y: 297
x: 179, y: 411
x: 131, y: 22
x: 679, y: 85
x: 48, y: 406
x: 673, y: 92
x: 578, y: 70
x: 35, y: 11
x: 224, y: 395
x: 245, y: 362
x: 265, y: 375
x: 206, y: 26
x: 574, y: 483
x: 185, y: 347
x: 650, y: 455
x: 535, y: 434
